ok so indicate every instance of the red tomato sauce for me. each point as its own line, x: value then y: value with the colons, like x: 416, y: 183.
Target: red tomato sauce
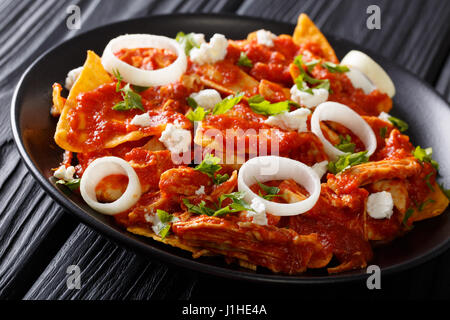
x: 147, y: 58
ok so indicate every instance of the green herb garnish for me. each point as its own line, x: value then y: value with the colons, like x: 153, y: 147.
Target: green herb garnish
x: 197, y: 115
x: 424, y: 155
x: 191, y: 102
x: 221, y: 178
x: 165, y: 219
x: 237, y: 205
x: 347, y: 160
x: 423, y: 204
x: 383, y: 132
x: 427, y: 181
x: 408, y: 214
x: 400, y: 124
x: 201, y: 208
x: 227, y: 103
x: 131, y: 100
x: 73, y: 184
x: 311, y: 64
x: 262, y: 106
x: 271, y: 192
x: 304, y: 77
x: 209, y: 166
x: 346, y: 145
x: 244, y: 61
x: 332, y: 67
x: 187, y: 41
x: 139, y: 89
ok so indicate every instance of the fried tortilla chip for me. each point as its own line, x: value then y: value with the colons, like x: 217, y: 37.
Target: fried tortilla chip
x: 170, y: 240
x: 432, y: 209
x: 306, y: 31
x: 214, y: 76
x: 92, y: 76
x: 58, y: 101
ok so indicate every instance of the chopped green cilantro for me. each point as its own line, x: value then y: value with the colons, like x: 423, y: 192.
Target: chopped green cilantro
x: 139, y: 89
x: 332, y: 67
x: 347, y: 160
x: 227, y: 103
x: 187, y: 41
x: 427, y: 181
x: 400, y: 124
x: 383, y: 132
x: 311, y: 64
x: 237, y: 205
x: 408, y: 215
x: 209, y: 166
x: 424, y: 155
x: 346, y: 145
x: 191, y: 102
x: 423, y: 204
x: 197, y: 115
x: 131, y: 100
x: 262, y: 106
x: 304, y: 77
x: 244, y: 61
x: 221, y: 178
x: 73, y: 184
x: 201, y: 208
x: 165, y: 219
x: 271, y: 192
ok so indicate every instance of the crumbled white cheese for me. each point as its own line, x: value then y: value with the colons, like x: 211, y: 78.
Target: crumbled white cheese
x: 320, y: 168
x: 380, y: 205
x: 153, y: 218
x: 384, y: 116
x: 72, y: 76
x: 295, y: 120
x: 265, y: 37
x: 207, y: 99
x: 64, y: 173
x: 200, y: 191
x: 259, y: 214
x: 175, y: 139
x: 211, y: 52
x: 198, y: 38
x: 306, y: 99
x: 142, y: 120
x: 360, y: 80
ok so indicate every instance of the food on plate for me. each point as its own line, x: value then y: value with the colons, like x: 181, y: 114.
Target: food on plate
x: 268, y: 150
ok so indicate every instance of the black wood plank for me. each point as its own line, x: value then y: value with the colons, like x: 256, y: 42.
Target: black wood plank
x: 109, y: 272
x: 31, y: 226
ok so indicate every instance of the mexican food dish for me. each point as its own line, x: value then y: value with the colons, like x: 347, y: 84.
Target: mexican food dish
x: 268, y: 151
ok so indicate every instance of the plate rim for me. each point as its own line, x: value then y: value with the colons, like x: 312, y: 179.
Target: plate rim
x: 125, y: 240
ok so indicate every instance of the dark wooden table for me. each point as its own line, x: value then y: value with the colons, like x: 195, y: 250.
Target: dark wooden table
x: 38, y: 240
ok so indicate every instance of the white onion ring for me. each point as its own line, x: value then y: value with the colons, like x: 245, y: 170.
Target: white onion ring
x: 139, y: 77
x: 342, y: 114
x: 372, y: 70
x: 266, y: 168
x: 359, y: 80
x: 101, y: 168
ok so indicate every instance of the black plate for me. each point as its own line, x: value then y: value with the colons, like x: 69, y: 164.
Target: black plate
x: 33, y: 128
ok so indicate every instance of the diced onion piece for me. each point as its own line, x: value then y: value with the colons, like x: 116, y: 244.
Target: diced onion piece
x: 340, y: 113
x: 261, y: 169
x: 101, y: 168
x: 359, y: 80
x: 371, y: 69
x: 139, y: 77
